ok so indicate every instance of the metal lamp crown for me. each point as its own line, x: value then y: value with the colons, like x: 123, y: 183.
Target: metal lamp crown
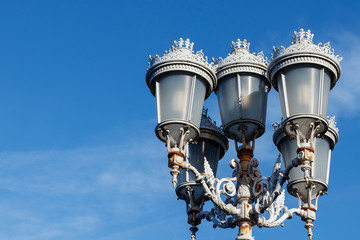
x: 240, y: 45
x: 240, y: 54
x: 181, y: 50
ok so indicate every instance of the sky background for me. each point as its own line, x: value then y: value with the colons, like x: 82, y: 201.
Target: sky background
x: 78, y: 155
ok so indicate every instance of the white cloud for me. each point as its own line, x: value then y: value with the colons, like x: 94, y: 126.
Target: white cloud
x: 80, y: 170
x: 56, y: 193
x: 25, y: 224
x: 345, y: 97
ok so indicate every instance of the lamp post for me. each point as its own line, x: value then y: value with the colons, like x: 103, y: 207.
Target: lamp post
x: 303, y: 74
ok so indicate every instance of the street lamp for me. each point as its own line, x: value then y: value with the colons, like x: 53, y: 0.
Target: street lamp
x: 211, y: 145
x: 242, y: 92
x: 319, y: 175
x: 303, y: 74
x: 181, y: 81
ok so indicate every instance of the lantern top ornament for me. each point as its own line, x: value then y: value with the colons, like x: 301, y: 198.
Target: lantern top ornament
x: 181, y: 57
x: 332, y: 123
x: 303, y: 41
x: 333, y: 132
x: 303, y: 50
x: 181, y: 50
x: 240, y: 56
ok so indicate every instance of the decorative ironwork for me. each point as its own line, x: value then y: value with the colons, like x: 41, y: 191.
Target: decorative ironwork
x: 240, y: 53
x: 303, y: 42
x: 247, y: 195
x: 181, y: 50
x: 332, y: 123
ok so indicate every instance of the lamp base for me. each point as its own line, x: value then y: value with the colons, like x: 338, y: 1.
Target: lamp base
x: 298, y: 188
x: 244, y: 128
x: 305, y: 128
x: 175, y: 129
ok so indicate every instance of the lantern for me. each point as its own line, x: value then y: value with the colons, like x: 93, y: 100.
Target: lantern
x: 242, y: 92
x: 319, y: 174
x: 303, y: 74
x: 181, y: 80
x: 211, y: 144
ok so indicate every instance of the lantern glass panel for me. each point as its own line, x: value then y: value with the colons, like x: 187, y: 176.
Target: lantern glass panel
x: 180, y: 96
x: 304, y: 89
x: 242, y: 96
x: 204, y: 147
x: 322, y: 157
x: 196, y: 152
x: 320, y: 166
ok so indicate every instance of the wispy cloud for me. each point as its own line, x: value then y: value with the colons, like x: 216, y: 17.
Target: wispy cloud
x: 345, y: 97
x: 57, y: 193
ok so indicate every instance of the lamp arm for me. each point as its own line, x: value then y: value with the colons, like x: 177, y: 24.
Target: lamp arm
x: 214, y: 187
x: 288, y: 213
x: 275, y: 209
x: 268, y: 197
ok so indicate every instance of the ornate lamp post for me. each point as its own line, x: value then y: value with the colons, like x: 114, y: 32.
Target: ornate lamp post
x: 303, y: 74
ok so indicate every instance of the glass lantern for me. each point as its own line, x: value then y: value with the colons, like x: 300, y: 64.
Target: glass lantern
x: 242, y: 92
x: 181, y: 80
x: 211, y: 144
x: 319, y: 174
x: 304, y: 74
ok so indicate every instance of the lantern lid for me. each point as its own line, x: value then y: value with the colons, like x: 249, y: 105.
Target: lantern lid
x: 278, y: 133
x: 303, y: 50
x: 241, y: 60
x: 181, y: 57
x: 333, y: 131
x: 209, y: 130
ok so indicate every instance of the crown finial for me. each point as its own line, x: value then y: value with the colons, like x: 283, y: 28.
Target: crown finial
x: 302, y: 37
x: 181, y: 49
x: 240, y: 54
x: 303, y: 42
x: 332, y: 123
x: 182, y: 44
x: 240, y: 45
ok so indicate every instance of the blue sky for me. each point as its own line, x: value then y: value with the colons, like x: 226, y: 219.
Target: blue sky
x: 78, y: 155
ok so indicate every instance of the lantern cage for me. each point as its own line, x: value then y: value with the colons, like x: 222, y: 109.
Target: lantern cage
x: 212, y: 144
x: 242, y: 92
x: 181, y: 80
x: 320, y: 167
x: 304, y: 74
